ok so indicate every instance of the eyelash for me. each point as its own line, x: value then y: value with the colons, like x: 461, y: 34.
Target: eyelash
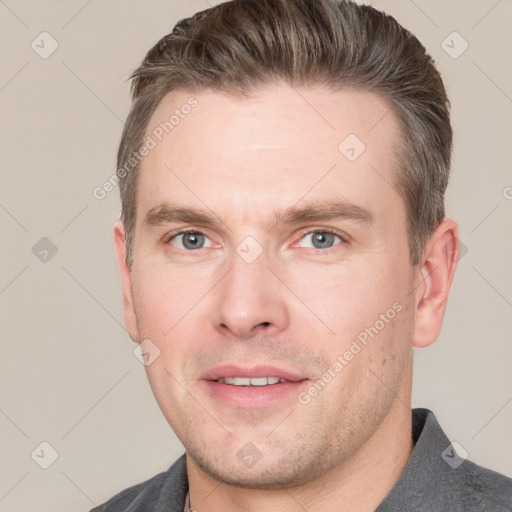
x: 328, y: 231
x: 342, y: 237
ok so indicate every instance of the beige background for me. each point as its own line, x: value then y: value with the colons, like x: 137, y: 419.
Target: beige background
x: 69, y: 376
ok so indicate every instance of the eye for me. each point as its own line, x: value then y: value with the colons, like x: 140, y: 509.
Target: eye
x: 322, y: 239
x: 189, y: 240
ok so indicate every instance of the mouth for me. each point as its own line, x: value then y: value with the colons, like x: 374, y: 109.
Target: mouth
x: 249, y: 388
x: 256, y: 376
x: 248, y: 381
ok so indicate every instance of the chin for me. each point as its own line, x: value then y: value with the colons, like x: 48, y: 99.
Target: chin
x: 281, y: 471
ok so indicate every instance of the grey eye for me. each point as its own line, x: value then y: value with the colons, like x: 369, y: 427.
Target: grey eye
x: 322, y: 239
x: 190, y: 240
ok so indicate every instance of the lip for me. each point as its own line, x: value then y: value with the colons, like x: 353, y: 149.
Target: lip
x: 252, y: 397
x: 231, y: 370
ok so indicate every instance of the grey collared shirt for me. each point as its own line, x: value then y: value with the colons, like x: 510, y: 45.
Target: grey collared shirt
x: 435, y: 479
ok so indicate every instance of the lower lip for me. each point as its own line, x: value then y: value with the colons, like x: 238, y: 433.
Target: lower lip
x: 253, y: 396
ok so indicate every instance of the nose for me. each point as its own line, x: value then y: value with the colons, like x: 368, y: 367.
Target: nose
x: 250, y: 299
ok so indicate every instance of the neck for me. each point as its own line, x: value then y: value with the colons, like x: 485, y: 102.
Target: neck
x: 359, y: 482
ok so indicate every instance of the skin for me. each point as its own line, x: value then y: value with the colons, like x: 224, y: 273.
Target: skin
x: 296, y: 306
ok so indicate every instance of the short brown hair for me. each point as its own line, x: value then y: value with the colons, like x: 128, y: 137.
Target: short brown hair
x: 241, y: 45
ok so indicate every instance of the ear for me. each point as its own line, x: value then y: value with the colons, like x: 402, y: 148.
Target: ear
x: 435, y: 275
x: 126, y: 280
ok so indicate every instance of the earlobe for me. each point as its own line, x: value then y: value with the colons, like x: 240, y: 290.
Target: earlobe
x: 435, y: 276
x: 126, y: 281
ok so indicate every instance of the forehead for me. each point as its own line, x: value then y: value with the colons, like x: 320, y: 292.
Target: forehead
x: 228, y: 151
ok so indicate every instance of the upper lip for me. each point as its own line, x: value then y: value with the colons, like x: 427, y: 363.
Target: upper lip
x: 230, y: 370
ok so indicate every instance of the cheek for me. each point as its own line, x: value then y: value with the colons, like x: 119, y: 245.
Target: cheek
x: 352, y: 297
x: 369, y: 311
x: 162, y: 299
x: 168, y: 307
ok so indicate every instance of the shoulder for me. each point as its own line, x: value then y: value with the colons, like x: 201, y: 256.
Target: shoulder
x: 459, y: 482
x: 485, y: 490
x: 158, y: 493
x: 439, y: 478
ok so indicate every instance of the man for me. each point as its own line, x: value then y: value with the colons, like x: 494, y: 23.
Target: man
x: 283, y: 246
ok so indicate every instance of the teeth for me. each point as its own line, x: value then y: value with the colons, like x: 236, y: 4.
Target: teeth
x: 248, y: 381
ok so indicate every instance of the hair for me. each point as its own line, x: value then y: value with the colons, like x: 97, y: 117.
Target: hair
x: 243, y: 45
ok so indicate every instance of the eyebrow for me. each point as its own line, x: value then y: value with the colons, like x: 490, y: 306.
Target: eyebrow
x: 311, y: 212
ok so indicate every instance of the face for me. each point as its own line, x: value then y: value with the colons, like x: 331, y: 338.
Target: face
x: 265, y: 248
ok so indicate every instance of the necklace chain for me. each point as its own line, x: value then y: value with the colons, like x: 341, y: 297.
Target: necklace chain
x: 188, y: 505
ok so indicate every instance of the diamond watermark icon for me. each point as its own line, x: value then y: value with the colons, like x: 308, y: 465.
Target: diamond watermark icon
x: 44, y: 45
x: 463, y: 249
x: 146, y: 352
x: 249, y: 249
x: 249, y: 455
x: 44, y: 455
x: 44, y: 250
x: 454, y: 455
x: 351, y: 147
x: 454, y: 45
